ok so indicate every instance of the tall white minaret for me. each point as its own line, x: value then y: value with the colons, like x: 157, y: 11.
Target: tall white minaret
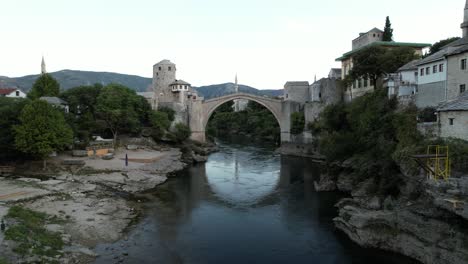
x: 464, y: 25
x: 43, y: 66
x: 236, y: 102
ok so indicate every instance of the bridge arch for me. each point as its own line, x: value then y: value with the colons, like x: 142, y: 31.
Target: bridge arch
x: 209, y: 106
x: 201, y: 112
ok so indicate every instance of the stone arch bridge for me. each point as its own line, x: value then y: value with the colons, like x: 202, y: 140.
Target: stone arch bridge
x: 201, y: 111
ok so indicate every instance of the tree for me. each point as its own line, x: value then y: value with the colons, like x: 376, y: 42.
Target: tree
x: 45, y: 85
x: 82, y: 102
x: 388, y: 31
x: 10, y: 109
x: 438, y: 45
x: 121, y: 109
x: 42, y: 130
x: 374, y: 62
x: 160, y: 123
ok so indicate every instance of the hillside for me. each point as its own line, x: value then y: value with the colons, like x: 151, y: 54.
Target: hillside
x: 71, y: 78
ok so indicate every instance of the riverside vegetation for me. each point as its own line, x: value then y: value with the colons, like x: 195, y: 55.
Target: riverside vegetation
x: 368, y: 145
x: 33, y: 129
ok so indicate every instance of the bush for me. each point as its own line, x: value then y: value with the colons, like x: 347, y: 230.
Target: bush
x: 181, y: 132
x: 170, y: 113
x: 427, y: 115
x: 297, y: 122
x: 160, y: 123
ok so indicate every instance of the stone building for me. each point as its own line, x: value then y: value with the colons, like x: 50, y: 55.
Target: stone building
x: 172, y: 93
x: 297, y: 92
x: 453, y: 118
x: 371, y: 38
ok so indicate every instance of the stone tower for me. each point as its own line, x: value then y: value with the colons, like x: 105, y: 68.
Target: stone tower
x: 43, y: 66
x: 164, y: 73
x: 464, y: 25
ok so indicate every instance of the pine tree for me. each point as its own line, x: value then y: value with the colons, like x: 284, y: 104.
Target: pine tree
x: 388, y: 31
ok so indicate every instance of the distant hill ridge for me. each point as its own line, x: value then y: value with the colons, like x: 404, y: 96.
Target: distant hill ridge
x: 72, y: 78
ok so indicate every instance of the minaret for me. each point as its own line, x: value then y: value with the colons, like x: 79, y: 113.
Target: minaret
x: 236, y: 102
x: 43, y: 67
x: 464, y: 25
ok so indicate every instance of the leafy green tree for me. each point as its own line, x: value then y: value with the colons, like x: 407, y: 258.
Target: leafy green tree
x: 45, y: 85
x: 121, y: 109
x: 297, y: 122
x: 42, y: 130
x: 374, y: 62
x: 438, y: 45
x: 388, y: 30
x: 82, y: 102
x: 10, y: 109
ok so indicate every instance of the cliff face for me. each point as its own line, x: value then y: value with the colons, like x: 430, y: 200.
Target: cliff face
x: 428, y: 221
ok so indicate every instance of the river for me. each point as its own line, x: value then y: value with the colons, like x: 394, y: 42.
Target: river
x: 245, y: 205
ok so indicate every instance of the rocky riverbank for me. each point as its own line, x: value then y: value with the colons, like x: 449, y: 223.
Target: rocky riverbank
x: 426, y: 219
x: 95, y: 201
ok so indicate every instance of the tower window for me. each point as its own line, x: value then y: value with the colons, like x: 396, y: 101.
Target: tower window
x: 159, y: 67
x: 170, y: 68
x: 462, y: 88
x: 451, y: 121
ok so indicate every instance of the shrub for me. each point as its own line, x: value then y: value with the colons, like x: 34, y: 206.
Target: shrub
x: 170, y: 112
x: 181, y: 132
x: 297, y: 122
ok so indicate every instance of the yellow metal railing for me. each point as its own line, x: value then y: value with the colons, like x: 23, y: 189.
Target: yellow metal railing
x: 439, y: 162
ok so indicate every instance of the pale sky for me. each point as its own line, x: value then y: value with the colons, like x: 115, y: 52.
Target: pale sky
x: 266, y: 42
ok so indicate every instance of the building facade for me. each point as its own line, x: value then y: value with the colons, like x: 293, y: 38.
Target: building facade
x: 177, y: 95
x: 372, y: 38
x: 12, y: 93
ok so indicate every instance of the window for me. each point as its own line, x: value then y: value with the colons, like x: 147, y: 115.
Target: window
x: 441, y: 67
x: 451, y: 121
x: 374, y: 35
x: 428, y: 70
x: 462, y: 88
x: 320, y: 95
x: 170, y: 68
x: 463, y: 64
x: 360, y: 83
x: 422, y: 72
x: 365, y: 82
x: 434, y: 69
x: 159, y: 68
x: 17, y: 93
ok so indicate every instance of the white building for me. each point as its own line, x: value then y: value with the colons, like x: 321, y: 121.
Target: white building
x: 12, y: 93
x: 405, y: 81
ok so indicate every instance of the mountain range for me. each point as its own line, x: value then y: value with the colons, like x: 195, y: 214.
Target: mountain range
x: 72, y: 78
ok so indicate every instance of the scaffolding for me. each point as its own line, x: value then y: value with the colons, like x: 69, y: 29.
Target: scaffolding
x: 436, y: 162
